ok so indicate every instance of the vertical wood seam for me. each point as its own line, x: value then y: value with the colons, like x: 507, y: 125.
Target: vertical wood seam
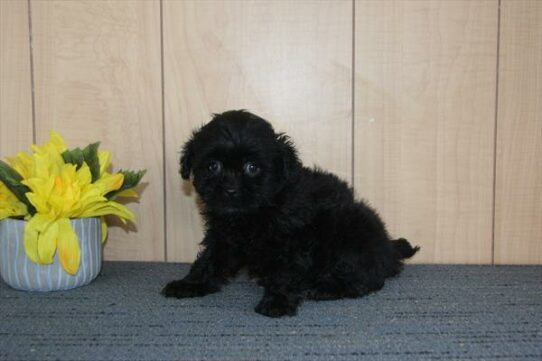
x: 164, y: 173
x: 353, y: 95
x: 495, y: 129
x: 31, y: 56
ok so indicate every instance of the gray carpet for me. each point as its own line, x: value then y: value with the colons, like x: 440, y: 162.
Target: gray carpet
x: 428, y: 313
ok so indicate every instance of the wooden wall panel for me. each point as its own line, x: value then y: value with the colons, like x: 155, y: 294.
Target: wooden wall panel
x: 15, y: 90
x: 289, y: 62
x: 425, y: 105
x: 424, y: 122
x: 97, y: 75
x: 518, y: 212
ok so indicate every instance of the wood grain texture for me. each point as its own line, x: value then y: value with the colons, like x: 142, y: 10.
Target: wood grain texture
x: 15, y: 85
x: 518, y: 202
x: 424, y: 122
x: 289, y: 62
x: 424, y: 129
x: 97, y: 77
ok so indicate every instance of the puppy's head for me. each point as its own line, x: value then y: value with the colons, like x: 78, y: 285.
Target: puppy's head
x: 238, y: 162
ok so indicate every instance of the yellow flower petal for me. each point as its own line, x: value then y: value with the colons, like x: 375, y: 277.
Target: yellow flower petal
x: 55, y: 144
x: 128, y: 193
x: 87, y: 202
x: 4, y: 213
x: 41, y: 192
x: 31, y: 234
x: 104, y: 157
x: 69, y: 252
x: 84, y: 176
x: 110, y: 208
x: 57, y: 141
x: 10, y: 206
x: 103, y: 223
x: 42, y: 165
x: 47, y: 243
x: 41, y: 186
x: 32, y: 231
x: 109, y: 182
x: 23, y: 163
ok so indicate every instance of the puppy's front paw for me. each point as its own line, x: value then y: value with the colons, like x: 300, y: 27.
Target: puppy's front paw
x: 276, y: 307
x: 183, y: 289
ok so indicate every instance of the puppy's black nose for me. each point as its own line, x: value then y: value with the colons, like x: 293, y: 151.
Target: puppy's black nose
x: 230, y: 192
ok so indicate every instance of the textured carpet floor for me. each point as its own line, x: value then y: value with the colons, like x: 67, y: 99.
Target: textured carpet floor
x: 428, y: 313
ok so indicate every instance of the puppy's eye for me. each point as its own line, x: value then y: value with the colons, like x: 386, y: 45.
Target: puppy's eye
x: 215, y: 167
x: 251, y: 169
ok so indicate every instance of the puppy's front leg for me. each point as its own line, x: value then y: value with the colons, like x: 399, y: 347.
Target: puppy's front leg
x: 212, y: 269
x: 281, y: 296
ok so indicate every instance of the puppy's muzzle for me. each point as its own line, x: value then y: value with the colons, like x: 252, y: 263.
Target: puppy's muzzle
x: 230, y: 192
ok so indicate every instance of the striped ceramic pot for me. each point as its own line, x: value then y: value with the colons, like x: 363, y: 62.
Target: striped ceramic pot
x: 21, y: 273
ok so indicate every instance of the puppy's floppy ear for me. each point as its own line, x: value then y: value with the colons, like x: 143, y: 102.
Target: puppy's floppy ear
x: 187, y: 157
x: 290, y: 160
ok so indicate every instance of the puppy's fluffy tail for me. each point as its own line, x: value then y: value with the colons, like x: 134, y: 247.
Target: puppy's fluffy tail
x: 404, y: 248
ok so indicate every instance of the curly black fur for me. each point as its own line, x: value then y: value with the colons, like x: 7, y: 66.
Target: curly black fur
x: 299, y: 231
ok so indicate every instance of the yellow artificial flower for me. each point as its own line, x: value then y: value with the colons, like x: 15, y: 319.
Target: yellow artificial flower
x: 10, y: 206
x: 60, y: 191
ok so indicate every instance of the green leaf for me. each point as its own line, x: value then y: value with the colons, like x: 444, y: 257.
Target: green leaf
x: 74, y: 156
x: 12, y: 180
x: 131, y: 179
x: 90, y: 153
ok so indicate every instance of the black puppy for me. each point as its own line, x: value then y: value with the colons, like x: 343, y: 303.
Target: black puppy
x: 299, y: 231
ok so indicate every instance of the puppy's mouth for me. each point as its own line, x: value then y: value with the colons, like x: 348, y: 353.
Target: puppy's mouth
x: 229, y: 206
x: 220, y: 204
x: 228, y: 209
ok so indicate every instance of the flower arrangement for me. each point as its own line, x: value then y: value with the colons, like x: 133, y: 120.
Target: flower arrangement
x: 54, y: 184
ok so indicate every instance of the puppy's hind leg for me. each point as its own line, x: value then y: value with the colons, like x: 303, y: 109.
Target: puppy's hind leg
x: 343, y: 281
x: 364, y: 257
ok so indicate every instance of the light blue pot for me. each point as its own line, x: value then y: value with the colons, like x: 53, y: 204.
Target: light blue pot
x: 18, y: 271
